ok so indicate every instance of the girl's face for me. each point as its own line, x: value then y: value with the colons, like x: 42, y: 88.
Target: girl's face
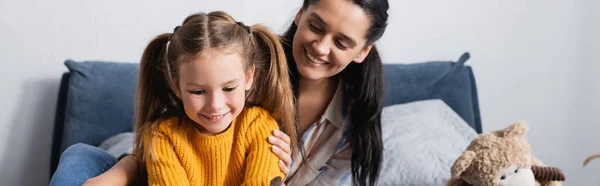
x: 212, y: 88
x: 331, y: 34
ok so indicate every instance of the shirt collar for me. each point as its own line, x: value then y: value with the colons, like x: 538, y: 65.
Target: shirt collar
x: 333, y: 113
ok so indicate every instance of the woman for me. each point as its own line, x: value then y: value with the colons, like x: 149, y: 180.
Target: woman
x: 338, y: 83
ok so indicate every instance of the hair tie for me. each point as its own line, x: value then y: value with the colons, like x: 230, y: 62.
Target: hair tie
x: 248, y: 29
x: 174, y: 30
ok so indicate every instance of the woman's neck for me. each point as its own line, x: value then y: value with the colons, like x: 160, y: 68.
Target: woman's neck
x: 313, y: 98
x: 320, y: 87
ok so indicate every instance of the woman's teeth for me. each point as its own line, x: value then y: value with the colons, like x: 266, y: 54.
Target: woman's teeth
x: 315, y: 60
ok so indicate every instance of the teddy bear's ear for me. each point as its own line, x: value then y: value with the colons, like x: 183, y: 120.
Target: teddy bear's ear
x: 516, y: 129
x: 462, y: 163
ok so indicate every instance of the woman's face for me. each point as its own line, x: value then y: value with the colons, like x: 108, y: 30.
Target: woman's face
x: 331, y: 34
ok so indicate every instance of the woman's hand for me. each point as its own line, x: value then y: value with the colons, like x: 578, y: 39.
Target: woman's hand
x: 281, y: 148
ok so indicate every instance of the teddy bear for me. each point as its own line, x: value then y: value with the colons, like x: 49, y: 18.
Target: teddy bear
x: 502, y: 158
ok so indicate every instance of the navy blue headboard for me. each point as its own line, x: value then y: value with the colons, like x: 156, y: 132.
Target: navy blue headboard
x: 452, y: 82
x: 96, y: 98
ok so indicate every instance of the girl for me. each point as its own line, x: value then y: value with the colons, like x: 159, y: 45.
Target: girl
x: 193, y: 126
x: 338, y: 86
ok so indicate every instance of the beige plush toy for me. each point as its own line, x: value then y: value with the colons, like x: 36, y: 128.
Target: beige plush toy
x: 502, y: 158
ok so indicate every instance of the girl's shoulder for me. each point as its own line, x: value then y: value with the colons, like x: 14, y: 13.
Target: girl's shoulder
x: 167, y: 125
x: 253, y: 113
x: 255, y: 117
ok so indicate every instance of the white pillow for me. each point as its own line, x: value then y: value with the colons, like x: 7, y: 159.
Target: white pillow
x: 421, y: 142
x: 118, y: 144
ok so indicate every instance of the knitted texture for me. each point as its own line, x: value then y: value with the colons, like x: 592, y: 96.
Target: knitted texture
x: 241, y: 155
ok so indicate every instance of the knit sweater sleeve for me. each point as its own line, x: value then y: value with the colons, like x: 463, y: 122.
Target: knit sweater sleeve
x: 165, y: 168
x: 261, y: 163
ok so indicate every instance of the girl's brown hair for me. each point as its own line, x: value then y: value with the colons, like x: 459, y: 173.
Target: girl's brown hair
x: 256, y: 44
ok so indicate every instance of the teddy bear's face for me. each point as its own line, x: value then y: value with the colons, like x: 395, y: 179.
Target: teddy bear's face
x: 491, y: 156
x: 513, y: 175
x: 496, y: 158
x: 500, y: 155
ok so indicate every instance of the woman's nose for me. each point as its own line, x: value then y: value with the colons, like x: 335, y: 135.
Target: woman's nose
x: 322, y: 47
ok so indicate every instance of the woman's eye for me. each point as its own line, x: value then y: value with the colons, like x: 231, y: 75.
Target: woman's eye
x: 340, y: 45
x: 315, y: 28
x: 197, y: 92
x: 229, y: 89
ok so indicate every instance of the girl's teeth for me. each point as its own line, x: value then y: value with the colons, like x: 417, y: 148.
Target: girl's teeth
x: 216, y: 117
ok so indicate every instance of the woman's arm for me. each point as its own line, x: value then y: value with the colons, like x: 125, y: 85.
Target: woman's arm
x: 123, y: 173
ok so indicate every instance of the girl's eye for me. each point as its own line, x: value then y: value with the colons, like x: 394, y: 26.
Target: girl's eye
x: 197, y: 92
x: 229, y: 89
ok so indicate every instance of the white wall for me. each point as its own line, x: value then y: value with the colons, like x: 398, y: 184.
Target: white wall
x: 534, y: 60
x: 589, y: 105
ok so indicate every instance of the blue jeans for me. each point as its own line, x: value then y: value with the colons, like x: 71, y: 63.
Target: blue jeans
x: 79, y: 163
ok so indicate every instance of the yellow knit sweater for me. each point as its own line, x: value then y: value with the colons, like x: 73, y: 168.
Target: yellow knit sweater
x: 241, y: 155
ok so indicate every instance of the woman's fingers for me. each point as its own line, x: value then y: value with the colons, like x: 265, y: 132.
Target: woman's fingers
x: 284, y: 168
x: 284, y: 160
x: 281, y: 148
x: 285, y: 139
x: 281, y: 154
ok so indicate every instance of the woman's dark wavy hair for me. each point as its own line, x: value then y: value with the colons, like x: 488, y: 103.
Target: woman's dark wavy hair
x: 364, y: 85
